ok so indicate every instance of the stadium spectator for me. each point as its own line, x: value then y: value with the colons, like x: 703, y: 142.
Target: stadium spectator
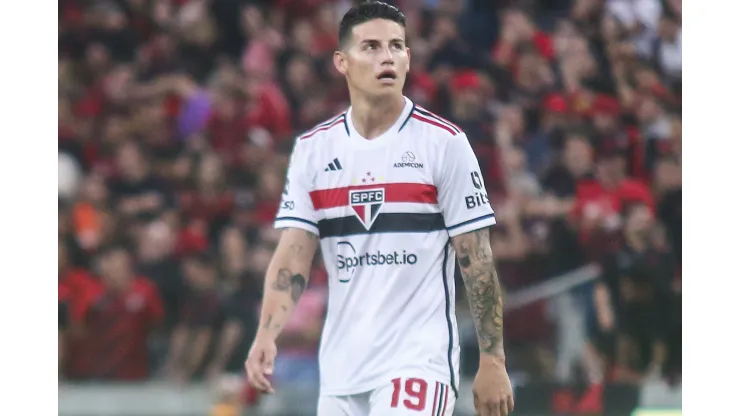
x: 117, y: 316
x: 201, y: 314
x: 634, y: 302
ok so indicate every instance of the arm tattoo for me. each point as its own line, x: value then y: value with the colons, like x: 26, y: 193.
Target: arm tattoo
x: 484, y: 291
x: 286, y: 281
x: 296, y: 248
x: 297, y: 285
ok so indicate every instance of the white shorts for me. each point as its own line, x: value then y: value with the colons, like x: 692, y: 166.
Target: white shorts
x: 400, y: 397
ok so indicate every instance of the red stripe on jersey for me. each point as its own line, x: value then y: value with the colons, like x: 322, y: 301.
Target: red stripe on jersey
x: 436, y: 393
x: 433, y: 122
x: 336, y: 123
x: 435, y: 115
x: 394, y: 192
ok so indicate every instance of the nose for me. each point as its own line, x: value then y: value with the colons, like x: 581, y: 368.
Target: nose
x: 387, y: 57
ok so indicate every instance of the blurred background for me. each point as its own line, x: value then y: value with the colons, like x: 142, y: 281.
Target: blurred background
x: 176, y: 119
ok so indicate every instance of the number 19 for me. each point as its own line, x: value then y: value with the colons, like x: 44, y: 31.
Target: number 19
x: 416, y: 391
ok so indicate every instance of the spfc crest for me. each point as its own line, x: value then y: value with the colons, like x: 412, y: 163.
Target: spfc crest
x: 366, y: 204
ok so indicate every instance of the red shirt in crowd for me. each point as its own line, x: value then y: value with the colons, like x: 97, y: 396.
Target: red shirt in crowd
x: 591, y: 194
x: 594, y: 201
x: 116, y: 326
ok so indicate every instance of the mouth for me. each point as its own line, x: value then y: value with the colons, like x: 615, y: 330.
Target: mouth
x: 387, y: 75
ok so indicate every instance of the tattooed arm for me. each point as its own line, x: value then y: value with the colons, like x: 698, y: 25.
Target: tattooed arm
x: 286, y: 279
x: 484, y: 291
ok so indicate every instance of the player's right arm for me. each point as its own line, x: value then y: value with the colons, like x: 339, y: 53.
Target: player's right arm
x: 286, y: 279
x: 287, y: 274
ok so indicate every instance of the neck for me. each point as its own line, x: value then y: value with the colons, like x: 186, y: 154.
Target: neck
x: 636, y: 241
x: 610, y: 182
x: 372, y: 117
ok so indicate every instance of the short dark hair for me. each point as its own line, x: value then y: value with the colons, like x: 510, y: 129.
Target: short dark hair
x: 365, y: 12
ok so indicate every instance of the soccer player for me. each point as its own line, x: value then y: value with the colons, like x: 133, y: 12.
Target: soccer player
x: 393, y: 193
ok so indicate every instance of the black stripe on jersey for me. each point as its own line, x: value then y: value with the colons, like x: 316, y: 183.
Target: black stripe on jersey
x: 439, y: 119
x: 390, y: 222
x: 413, y: 107
x: 447, y: 316
x: 296, y: 219
x: 452, y: 227
x: 346, y: 126
x: 440, y: 399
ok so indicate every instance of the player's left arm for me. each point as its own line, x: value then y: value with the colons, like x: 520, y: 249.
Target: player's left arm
x: 475, y: 257
x: 468, y: 215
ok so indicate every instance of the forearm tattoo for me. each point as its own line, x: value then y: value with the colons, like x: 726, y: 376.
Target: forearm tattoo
x: 484, y: 291
x: 287, y: 281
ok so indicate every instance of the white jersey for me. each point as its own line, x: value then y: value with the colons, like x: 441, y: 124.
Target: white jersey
x: 385, y: 210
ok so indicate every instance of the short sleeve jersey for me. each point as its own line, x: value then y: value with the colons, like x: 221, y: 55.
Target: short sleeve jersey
x: 385, y: 210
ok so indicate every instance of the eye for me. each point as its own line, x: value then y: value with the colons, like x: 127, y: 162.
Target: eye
x: 370, y: 47
x: 398, y: 46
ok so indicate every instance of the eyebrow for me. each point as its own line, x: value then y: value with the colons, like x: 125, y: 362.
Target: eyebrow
x: 369, y: 41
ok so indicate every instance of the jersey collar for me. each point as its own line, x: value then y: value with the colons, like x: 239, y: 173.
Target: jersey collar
x: 359, y: 141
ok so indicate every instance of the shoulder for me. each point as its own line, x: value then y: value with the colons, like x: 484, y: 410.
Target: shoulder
x: 328, y: 128
x: 634, y: 185
x: 435, y: 125
x: 588, y: 186
x: 145, y: 287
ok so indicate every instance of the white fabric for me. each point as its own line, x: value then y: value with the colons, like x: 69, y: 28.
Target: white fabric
x: 391, y: 268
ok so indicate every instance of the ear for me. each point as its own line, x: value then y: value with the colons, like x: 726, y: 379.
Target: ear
x: 340, y: 62
x: 408, y: 61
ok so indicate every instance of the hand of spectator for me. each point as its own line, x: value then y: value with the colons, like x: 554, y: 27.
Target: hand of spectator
x: 510, y: 34
x: 551, y: 206
x: 509, y: 212
x: 594, y: 216
x: 571, y: 70
x: 523, y: 27
x: 606, y: 321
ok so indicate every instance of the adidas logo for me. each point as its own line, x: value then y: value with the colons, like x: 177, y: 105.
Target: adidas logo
x: 334, y: 165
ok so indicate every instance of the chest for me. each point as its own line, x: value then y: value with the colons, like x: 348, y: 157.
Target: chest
x: 402, y: 162
x: 108, y: 308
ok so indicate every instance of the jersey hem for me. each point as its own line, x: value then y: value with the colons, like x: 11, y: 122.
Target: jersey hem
x: 295, y: 222
x: 472, y: 225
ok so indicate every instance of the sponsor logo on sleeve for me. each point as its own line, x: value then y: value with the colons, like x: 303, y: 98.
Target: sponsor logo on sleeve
x: 478, y: 198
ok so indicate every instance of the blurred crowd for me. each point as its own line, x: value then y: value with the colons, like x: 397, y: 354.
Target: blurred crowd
x: 176, y: 119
